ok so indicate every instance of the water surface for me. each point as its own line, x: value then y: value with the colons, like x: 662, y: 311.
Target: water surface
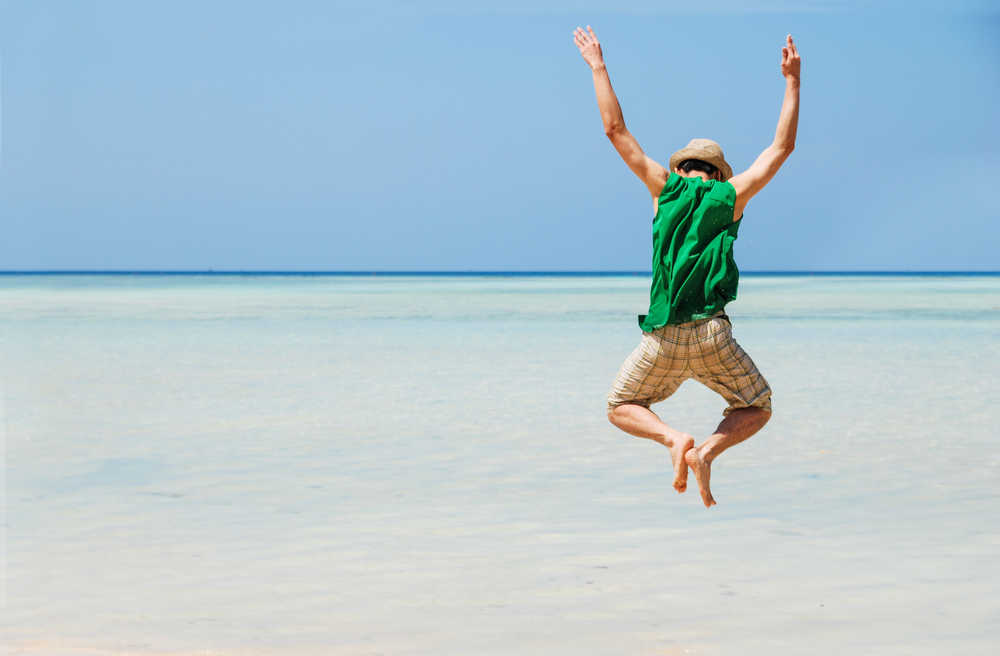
x: 422, y: 465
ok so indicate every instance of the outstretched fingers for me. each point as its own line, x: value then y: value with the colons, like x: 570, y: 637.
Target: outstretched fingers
x: 589, y: 46
x: 790, y: 60
x: 585, y: 37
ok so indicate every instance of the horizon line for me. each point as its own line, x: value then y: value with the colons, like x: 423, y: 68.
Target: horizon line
x: 238, y: 272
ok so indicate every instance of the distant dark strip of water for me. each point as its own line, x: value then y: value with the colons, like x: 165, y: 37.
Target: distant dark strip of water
x: 492, y: 274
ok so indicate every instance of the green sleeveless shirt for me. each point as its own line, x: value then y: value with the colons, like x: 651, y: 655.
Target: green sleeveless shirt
x: 694, y: 273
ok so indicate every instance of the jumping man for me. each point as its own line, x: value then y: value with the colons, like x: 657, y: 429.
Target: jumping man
x: 698, y: 205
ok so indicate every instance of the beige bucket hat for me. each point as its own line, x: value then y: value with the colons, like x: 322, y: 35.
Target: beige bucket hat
x: 707, y: 151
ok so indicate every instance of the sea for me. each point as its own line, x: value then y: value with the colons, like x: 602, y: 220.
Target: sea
x: 421, y: 465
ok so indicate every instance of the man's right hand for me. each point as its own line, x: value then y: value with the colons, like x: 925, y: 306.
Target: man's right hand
x: 791, y: 64
x: 751, y: 181
x: 589, y: 47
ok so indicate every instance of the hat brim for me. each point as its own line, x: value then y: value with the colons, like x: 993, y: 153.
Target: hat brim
x: 703, y: 155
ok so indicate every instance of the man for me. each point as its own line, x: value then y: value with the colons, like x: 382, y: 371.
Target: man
x: 698, y: 205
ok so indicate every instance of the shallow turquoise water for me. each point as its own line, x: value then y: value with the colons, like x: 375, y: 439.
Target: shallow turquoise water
x: 422, y: 466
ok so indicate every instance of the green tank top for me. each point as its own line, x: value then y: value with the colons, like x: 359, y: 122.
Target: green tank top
x: 694, y: 273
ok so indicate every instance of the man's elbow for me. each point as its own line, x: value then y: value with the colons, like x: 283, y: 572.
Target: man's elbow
x: 613, y: 130
x: 786, y: 146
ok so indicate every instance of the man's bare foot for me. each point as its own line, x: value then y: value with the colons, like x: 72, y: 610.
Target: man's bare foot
x: 702, y: 473
x: 642, y: 422
x: 678, y: 451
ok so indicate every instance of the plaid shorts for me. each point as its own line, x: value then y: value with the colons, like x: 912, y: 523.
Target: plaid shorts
x: 703, y: 350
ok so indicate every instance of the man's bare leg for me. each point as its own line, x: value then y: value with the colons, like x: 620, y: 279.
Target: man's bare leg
x: 642, y: 422
x: 738, y: 426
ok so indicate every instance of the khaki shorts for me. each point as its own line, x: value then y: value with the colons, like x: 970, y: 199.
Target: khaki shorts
x: 703, y: 350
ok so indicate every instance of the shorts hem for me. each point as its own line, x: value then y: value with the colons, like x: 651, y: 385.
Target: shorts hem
x: 616, y: 404
x: 761, y: 406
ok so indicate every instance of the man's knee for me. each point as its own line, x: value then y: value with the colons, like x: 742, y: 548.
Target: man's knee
x: 760, y: 414
x: 617, y: 413
x: 623, y: 413
x: 613, y: 414
x: 760, y: 417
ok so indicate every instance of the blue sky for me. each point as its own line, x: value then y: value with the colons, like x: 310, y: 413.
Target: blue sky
x: 458, y: 136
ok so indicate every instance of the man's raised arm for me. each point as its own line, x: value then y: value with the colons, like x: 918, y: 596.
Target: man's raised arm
x: 754, y: 179
x: 652, y: 174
